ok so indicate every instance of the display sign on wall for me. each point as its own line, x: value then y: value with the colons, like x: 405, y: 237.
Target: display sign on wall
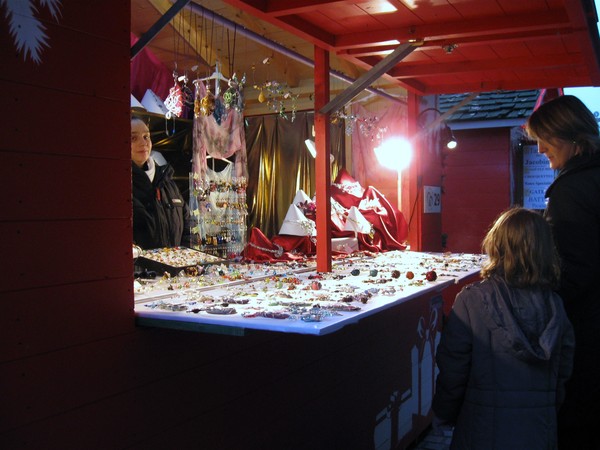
x: 537, y: 176
x: 432, y: 196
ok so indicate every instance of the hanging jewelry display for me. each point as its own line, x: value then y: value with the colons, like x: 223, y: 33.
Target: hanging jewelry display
x: 218, y: 197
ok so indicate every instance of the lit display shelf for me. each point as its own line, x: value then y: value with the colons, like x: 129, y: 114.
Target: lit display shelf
x: 294, y: 297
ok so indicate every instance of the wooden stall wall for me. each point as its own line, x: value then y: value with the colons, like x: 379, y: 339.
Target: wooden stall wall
x: 476, y: 186
x: 430, y: 157
x: 65, y: 213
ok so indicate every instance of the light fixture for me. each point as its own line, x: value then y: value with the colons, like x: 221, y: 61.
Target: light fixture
x: 394, y: 153
x: 447, y: 138
x: 446, y: 135
x: 312, y: 149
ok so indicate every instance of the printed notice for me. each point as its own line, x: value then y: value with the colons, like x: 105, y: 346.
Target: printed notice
x: 433, y: 199
x: 537, y: 176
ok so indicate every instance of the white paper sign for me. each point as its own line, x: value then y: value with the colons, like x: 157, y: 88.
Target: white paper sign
x: 537, y: 176
x: 432, y: 196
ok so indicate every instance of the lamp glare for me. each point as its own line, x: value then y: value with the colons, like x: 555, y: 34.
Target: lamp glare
x: 394, y: 153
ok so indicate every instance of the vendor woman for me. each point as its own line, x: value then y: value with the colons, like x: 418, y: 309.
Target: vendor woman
x: 161, y: 217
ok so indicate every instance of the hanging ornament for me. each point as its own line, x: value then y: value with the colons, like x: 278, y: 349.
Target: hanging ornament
x: 335, y: 118
x: 229, y: 97
x: 207, y: 103
x: 197, y: 99
x: 239, y: 105
x: 174, y: 101
x: 232, y: 96
x: 219, y: 111
x: 186, y: 93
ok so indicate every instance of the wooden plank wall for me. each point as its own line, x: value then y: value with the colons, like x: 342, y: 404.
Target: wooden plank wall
x: 65, y: 217
x: 476, y: 186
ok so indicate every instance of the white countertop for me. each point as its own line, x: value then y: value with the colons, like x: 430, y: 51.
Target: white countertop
x: 269, y: 291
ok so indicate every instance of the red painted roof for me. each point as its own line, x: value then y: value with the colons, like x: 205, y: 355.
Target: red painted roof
x: 463, y: 45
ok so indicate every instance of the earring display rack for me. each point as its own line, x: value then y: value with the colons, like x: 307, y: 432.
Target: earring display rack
x: 219, y: 213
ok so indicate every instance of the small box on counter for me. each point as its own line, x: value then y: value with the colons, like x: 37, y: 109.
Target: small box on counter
x: 174, y: 259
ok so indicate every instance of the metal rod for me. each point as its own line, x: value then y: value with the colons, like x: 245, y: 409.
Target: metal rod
x: 367, y: 78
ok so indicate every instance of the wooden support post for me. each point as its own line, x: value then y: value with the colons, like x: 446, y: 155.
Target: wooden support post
x: 412, y: 183
x: 322, y: 163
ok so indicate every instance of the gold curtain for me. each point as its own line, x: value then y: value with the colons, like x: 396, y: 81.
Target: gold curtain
x: 279, y: 164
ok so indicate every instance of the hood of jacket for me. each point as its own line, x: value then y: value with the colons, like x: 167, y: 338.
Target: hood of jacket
x: 528, y: 321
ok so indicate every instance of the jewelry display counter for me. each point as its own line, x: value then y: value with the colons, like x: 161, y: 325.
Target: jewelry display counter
x: 344, y: 359
x: 294, y: 298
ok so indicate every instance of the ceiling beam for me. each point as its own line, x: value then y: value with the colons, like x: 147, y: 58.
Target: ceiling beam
x: 317, y: 34
x: 292, y: 24
x: 528, y: 62
x: 545, y: 82
x: 461, y: 42
x: 550, y: 20
x: 290, y: 7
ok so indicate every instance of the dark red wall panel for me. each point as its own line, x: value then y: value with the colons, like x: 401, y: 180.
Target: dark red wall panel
x: 97, y: 188
x: 66, y: 123
x: 39, y: 320
x: 63, y: 252
x: 476, y: 187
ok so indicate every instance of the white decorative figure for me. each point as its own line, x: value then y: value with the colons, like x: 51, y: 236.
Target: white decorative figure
x: 410, y: 407
x: 428, y: 333
x: 396, y: 420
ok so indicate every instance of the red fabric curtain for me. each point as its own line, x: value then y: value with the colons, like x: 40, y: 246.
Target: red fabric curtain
x: 147, y: 72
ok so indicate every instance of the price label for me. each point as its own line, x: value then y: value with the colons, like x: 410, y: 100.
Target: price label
x: 432, y: 196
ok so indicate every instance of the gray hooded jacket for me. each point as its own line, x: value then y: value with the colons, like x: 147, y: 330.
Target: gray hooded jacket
x: 504, y: 357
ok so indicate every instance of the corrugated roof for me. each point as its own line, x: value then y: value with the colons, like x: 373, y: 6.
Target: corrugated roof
x: 496, y: 105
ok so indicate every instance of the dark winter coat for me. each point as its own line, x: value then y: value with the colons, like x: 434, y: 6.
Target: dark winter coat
x: 504, y: 356
x: 573, y: 211
x: 161, y: 217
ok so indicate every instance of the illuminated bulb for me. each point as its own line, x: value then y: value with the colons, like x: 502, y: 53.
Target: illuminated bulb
x: 394, y: 153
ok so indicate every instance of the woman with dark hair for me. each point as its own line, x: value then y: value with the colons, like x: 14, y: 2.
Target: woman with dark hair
x: 507, y: 348
x: 567, y: 134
